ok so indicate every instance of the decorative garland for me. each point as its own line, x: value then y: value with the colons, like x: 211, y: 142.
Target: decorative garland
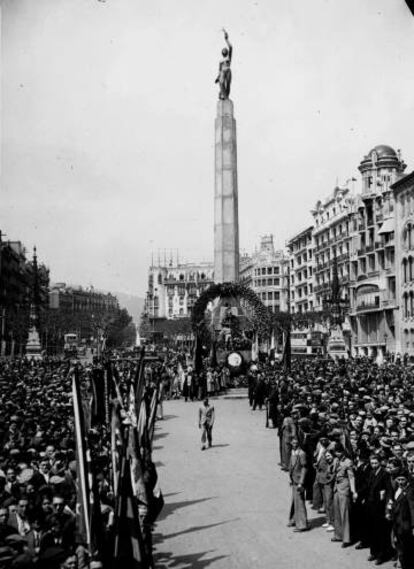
x: 261, y: 316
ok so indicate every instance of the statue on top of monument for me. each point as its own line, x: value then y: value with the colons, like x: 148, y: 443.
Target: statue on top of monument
x: 224, y: 76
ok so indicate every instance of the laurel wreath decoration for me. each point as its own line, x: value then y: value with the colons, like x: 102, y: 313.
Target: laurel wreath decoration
x: 261, y: 318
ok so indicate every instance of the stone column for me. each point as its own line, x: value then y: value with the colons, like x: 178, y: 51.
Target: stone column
x: 226, y: 217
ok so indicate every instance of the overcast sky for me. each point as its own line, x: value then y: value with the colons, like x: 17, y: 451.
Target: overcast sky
x: 108, y: 121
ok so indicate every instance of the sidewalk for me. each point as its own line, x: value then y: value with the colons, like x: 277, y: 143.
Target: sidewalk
x: 227, y: 507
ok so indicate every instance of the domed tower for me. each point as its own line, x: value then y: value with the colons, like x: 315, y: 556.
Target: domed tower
x: 380, y: 168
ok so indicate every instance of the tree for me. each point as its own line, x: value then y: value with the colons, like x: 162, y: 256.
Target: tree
x: 120, y: 329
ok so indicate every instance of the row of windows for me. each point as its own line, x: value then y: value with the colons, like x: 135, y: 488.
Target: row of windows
x: 300, y: 259
x: 269, y: 295
x: 339, y: 231
x: 267, y: 271
x: 302, y: 275
x: 266, y: 282
x: 301, y: 243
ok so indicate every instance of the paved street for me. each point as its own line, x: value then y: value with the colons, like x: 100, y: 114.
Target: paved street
x: 227, y: 507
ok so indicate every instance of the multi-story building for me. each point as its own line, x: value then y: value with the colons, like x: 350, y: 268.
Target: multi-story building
x: 373, y: 281
x: 174, y: 288
x: 75, y: 299
x: 332, y: 241
x: 17, y: 286
x: 404, y: 264
x: 301, y: 249
x: 266, y: 273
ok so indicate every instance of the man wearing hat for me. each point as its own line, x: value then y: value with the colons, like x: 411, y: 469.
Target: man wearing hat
x: 402, y: 516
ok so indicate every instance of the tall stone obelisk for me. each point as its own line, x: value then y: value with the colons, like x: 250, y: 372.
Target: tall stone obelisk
x: 226, y: 215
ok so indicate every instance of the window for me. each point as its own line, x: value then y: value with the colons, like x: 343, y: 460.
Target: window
x: 276, y: 282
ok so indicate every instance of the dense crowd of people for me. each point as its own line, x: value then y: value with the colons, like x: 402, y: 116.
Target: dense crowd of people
x: 346, y: 440
x: 39, y: 518
x: 181, y: 380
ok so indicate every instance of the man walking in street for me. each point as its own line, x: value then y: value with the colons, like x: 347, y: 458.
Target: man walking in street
x: 206, y: 416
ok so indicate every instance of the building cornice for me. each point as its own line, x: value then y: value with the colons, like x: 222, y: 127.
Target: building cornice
x: 403, y: 183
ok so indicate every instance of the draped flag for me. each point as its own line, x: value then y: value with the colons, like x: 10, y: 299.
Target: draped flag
x: 129, y: 551
x: 116, y: 441
x: 153, y: 412
x: 287, y: 353
x: 99, y: 395
x: 198, y: 355
x: 83, y: 498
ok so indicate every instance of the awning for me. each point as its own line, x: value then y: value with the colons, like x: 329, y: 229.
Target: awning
x: 387, y: 226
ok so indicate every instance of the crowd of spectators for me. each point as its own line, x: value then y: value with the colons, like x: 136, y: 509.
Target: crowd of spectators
x: 346, y: 440
x: 38, y: 468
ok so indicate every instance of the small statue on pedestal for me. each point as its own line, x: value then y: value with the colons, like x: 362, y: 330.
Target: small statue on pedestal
x: 224, y: 76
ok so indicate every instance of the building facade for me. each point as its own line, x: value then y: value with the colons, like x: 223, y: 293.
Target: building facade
x: 373, y: 295
x: 266, y: 273
x: 404, y: 263
x: 302, y: 265
x: 76, y: 299
x: 174, y: 288
x: 332, y: 243
x: 17, y: 284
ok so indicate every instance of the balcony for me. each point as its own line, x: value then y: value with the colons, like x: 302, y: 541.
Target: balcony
x: 383, y: 300
x: 321, y: 287
x: 369, y: 248
x: 379, y: 245
x: 368, y: 307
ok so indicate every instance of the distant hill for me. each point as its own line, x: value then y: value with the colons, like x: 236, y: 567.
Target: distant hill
x: 134, y: 304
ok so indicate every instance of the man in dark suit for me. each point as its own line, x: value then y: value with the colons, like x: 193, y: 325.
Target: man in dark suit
x: 55, y: 537
x: 18, y: 520
x: 5, y: 529
x: 35, y: 535
x: 402, y: 515
x: 379, y: 532
x: 297, y: 472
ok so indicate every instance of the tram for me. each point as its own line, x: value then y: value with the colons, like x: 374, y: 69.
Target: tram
x: 307, y: 343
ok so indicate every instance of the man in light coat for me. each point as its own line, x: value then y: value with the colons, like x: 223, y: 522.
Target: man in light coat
x: 297, y: 472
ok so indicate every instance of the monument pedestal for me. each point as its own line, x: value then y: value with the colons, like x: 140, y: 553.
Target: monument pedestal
x: 33, y: 346
x: 226, y: 220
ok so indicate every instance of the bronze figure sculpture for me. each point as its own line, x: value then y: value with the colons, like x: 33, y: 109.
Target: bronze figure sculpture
x: 224, y: 76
